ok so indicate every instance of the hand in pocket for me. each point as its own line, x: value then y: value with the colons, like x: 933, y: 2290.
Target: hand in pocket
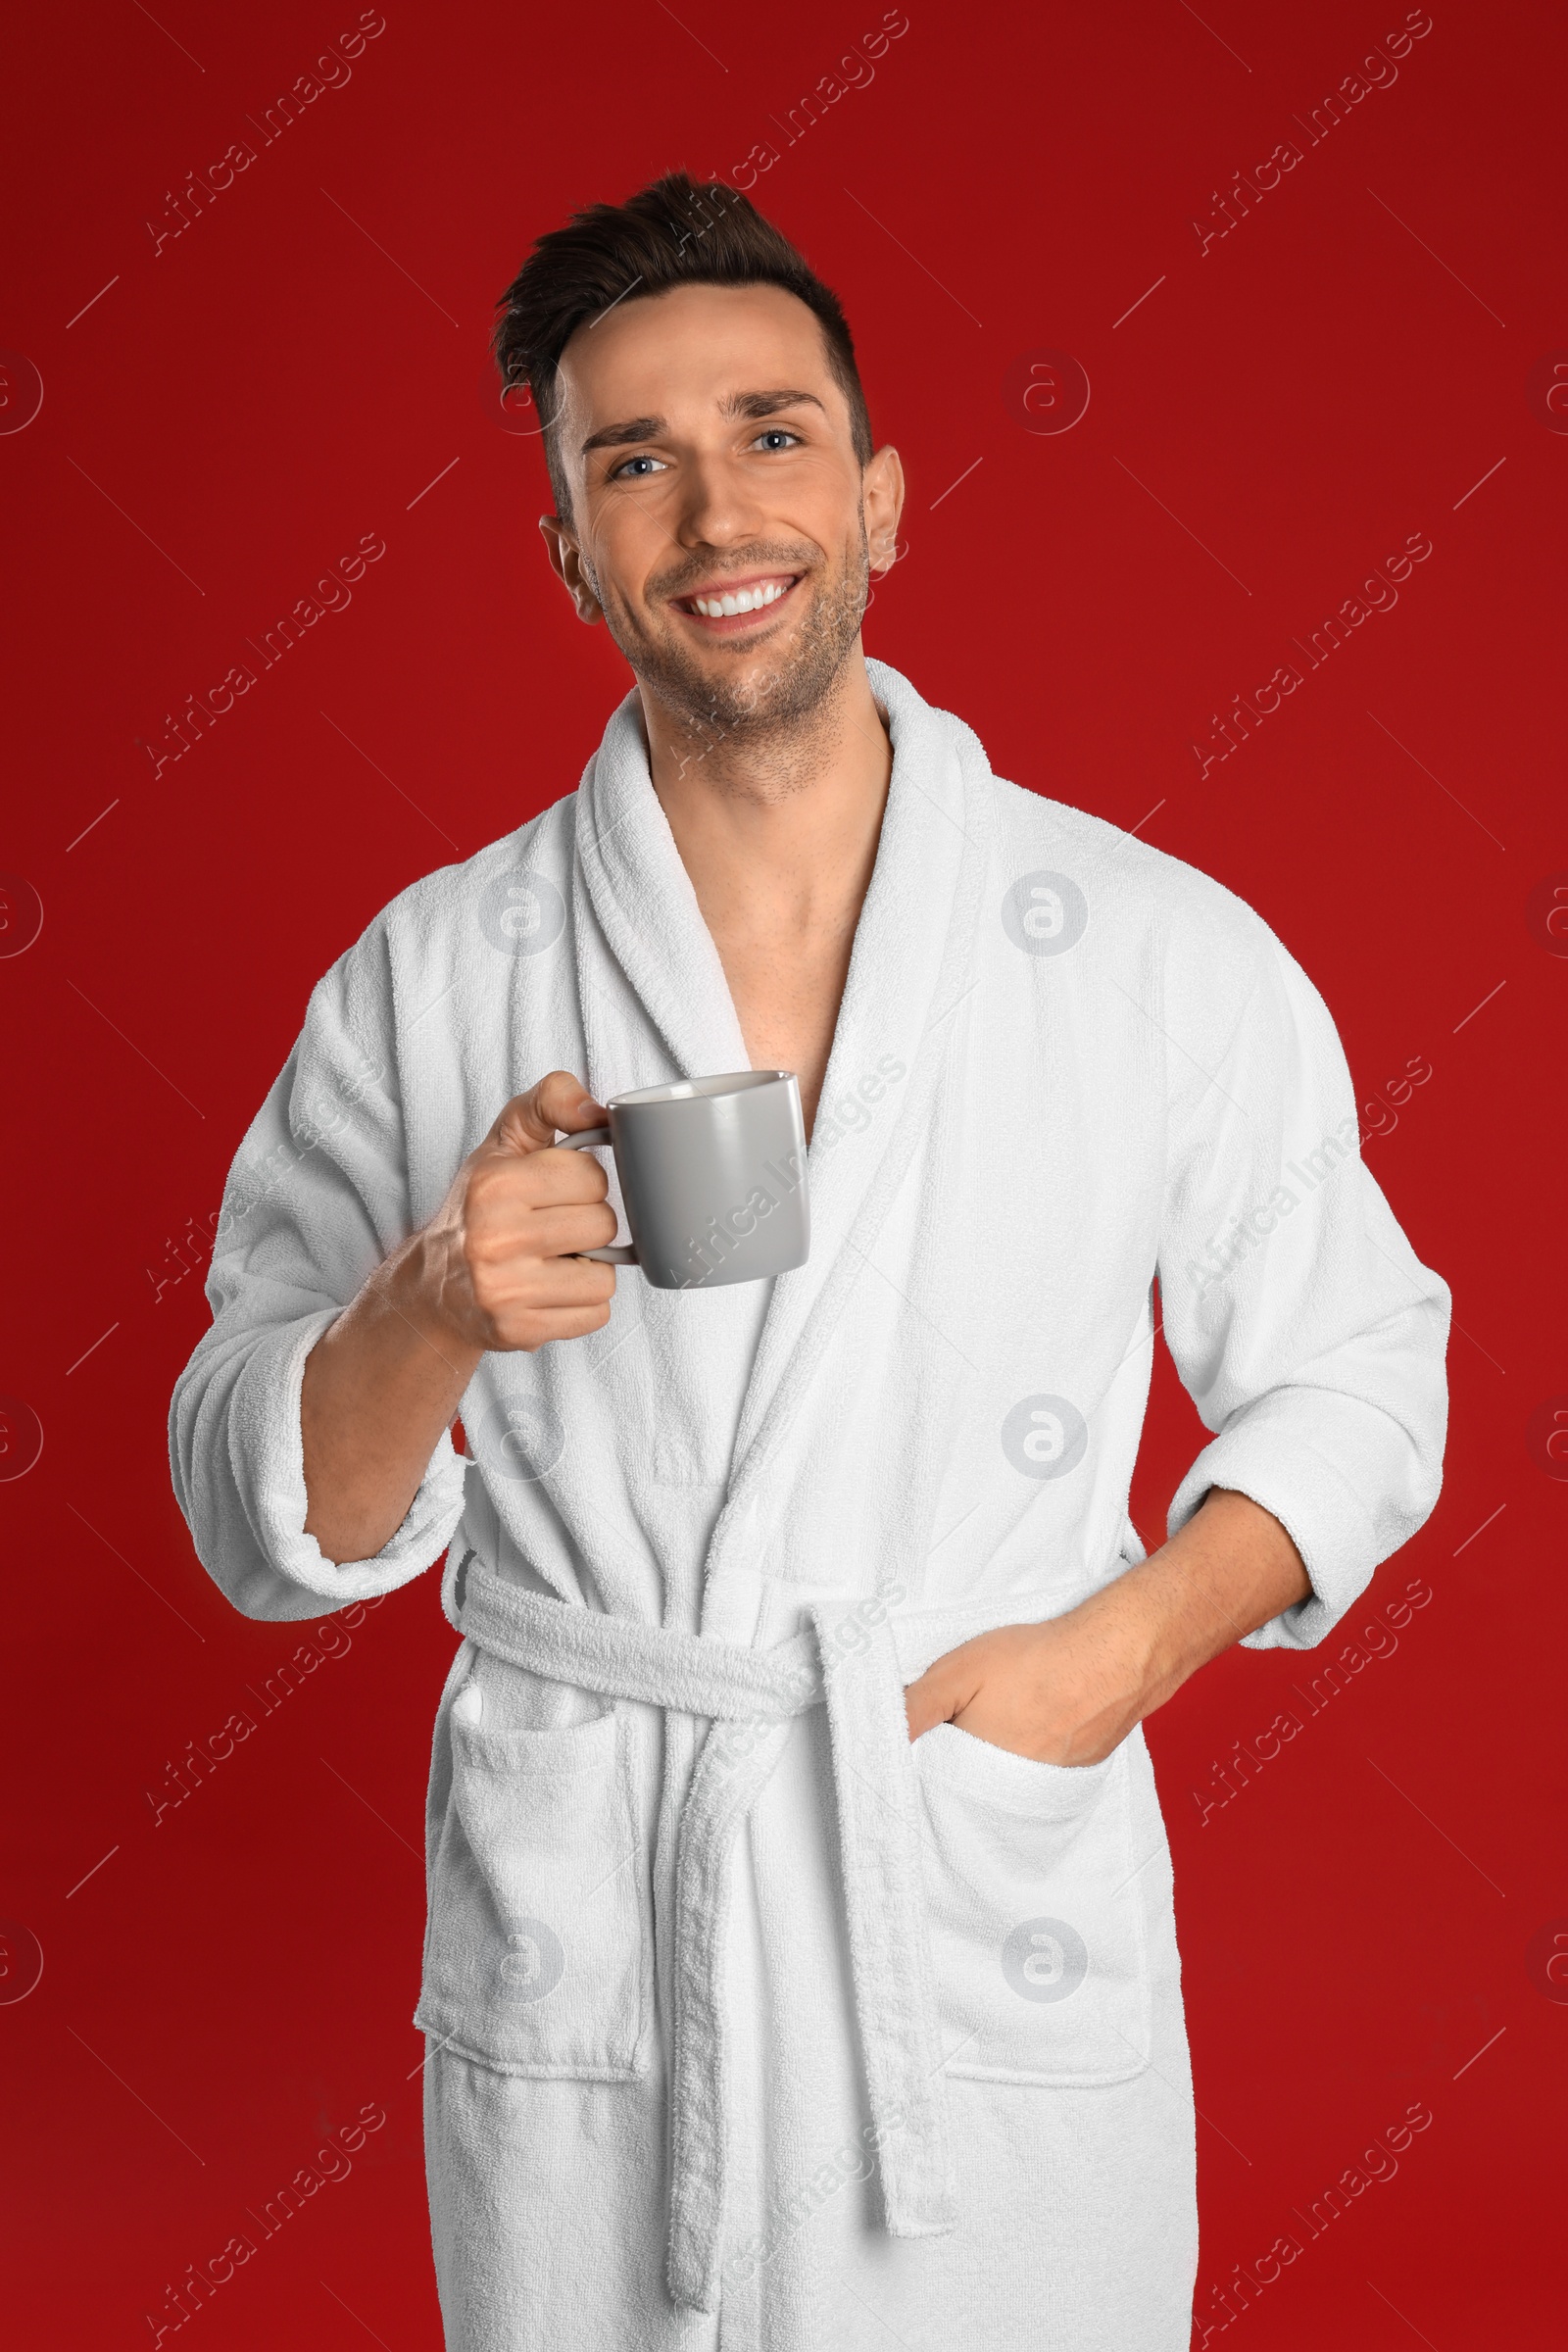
x: 1060, y: 1693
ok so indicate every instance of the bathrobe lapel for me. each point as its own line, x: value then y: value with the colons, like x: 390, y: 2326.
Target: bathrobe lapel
x: 891, y: 1014
x: 637, y: 924
x: 656, y: 1005
x: 904, y: 1007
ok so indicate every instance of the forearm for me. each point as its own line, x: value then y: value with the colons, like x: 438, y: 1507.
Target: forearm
x: 380, y: 1386
x: 1228, y: 1571
x: 498, y: 1266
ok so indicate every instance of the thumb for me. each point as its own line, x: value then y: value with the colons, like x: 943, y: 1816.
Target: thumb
x: 531, y: 1121
x: 944, y: 1690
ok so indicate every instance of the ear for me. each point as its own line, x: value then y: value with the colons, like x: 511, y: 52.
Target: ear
x: 566, y: 562
x: 882, y: 503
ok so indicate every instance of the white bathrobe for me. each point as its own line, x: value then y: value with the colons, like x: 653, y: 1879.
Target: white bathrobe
x: 752, y: 2026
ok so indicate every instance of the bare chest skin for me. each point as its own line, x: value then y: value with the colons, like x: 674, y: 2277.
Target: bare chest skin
x: 780, y: 851
x: 786, y: 985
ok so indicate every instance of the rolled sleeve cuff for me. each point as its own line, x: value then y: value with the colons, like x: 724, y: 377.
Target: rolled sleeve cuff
x: 1318, y: 1510
x: 267, y: 1452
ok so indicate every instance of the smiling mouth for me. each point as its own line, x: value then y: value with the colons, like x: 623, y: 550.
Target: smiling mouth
x: 732, y: 605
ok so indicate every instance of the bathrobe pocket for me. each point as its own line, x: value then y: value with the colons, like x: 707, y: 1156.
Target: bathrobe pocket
x: 536, y: 1960
x: 1036, y: 1918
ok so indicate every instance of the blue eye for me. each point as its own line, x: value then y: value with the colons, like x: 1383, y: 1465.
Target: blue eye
x: 777, y: 436
x: 644, y: 460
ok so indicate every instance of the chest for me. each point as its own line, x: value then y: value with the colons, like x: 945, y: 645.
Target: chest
x: 786, y: 982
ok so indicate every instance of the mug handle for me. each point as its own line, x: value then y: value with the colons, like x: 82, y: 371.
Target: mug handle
x: 591, y: 1139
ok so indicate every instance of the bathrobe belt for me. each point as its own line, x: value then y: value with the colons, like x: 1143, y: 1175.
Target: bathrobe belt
x: 749, y: 1696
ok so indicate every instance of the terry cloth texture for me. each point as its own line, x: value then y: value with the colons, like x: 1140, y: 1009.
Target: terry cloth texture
x: 752, y: 2026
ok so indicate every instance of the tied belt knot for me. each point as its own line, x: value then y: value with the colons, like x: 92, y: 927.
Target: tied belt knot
x: 750, y: 1697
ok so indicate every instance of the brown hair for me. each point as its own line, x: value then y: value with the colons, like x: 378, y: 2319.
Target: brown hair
x: 673, y: 232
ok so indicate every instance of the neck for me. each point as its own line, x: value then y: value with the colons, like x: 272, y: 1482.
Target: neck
x: 779, y: 835
x: 786, y: 819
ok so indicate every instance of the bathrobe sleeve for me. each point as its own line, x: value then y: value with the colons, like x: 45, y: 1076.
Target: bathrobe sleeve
x: 316, y: 1198
x: 1304, y: 1328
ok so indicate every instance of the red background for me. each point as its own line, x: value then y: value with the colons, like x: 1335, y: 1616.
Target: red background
x: 1279, y: 415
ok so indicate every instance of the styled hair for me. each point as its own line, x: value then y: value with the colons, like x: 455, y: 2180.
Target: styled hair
x: 674, y: 232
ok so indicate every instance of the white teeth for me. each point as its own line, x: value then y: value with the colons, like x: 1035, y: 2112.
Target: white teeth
x: 745, y: 600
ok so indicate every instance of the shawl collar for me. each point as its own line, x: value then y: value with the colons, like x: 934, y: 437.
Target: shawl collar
x: 636, y: 910
x: 641, y: 943
x: 908, y: 973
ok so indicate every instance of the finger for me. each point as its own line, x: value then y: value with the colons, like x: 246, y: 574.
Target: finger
x: 514, y: 1250
x: 928, y: 1701
x: 505, y: 1193
x: 564, y: 1323
x: 558, y: 1179
x: 554, y: 1234
x: 536, y: 1284
x: 558, y: 1104
x: 516, y: 1191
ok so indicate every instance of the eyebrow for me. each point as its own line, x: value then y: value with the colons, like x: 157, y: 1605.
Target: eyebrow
x: 737, y: 405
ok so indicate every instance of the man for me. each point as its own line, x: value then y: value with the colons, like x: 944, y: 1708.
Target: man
x: 801, y: 1966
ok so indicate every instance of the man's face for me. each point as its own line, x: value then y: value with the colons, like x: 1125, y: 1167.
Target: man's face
x: 710, y: 461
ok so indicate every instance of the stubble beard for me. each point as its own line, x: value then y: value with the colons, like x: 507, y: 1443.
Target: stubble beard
x: 774, y: 707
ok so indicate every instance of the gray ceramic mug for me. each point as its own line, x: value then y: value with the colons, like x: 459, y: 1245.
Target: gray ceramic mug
x: 712, y: 1174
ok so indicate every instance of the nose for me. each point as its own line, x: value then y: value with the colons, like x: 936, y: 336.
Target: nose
x: 718, y: 504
